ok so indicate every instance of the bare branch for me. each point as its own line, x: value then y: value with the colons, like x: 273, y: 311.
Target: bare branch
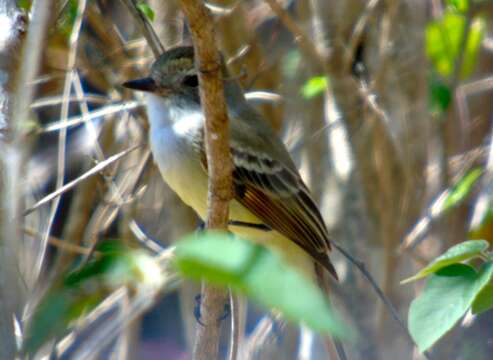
x: 220, y: 167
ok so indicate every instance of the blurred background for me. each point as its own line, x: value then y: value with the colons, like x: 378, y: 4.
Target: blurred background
x: 385, y: 106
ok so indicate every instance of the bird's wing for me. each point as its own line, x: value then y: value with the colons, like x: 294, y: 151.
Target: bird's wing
x: 276, y: 194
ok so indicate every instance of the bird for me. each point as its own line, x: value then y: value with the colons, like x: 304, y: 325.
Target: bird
x: 271, y: 204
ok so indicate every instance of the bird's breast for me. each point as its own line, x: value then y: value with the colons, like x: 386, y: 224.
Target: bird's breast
x: 179, y: 164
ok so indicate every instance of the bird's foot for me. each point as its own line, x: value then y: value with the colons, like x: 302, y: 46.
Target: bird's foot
x: 198, y: 315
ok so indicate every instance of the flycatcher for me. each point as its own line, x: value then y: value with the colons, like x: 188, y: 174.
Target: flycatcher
x: 271, y: 203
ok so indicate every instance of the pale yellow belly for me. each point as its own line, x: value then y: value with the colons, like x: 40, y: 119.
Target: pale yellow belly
x: 193, y: 192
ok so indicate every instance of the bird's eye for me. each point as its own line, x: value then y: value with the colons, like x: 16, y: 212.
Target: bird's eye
x: 191, y: 81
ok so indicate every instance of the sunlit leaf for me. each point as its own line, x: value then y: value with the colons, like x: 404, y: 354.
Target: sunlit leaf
x: 462, y: 189
x: 484, y: 300
x: 444, y: 40
x: 260, y: 274
x: 459, y: 5
x: 146, y: 10
x: 446, y: 298
x: 460, y: 252
x: 476, y: 34
x: 314, y: 86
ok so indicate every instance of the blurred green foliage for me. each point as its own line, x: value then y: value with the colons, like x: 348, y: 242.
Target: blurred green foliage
x: 24, y: 4
x: 440, y: 94
x: 462, y: 189
x: 260, y: 274
x: 447, y: 49
x: 444, y: 38
x: 145, y: 9
x: 314, y: 86
x: 113, y: 266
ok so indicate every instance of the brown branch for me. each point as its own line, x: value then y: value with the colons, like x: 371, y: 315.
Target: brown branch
x: 220, y: 167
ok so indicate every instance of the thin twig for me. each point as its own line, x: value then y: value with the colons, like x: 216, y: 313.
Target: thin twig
x: 303, y: 41
x: 146, y: 28
x: 393, y: 311
x: 96, y: 169
x: 234, y: 303
x: 106, y: 212
x: 267, y: 329
x: 57, y: 100
x: 62, y: 136
x: 96, y: 114
x: 93, y: 132
x: 483, y: 202
x: 358, y: 32
x: 62, y: 244
x: 442, y: 122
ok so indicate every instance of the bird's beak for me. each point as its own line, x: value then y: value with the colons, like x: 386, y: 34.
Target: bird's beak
x: 144, y: 84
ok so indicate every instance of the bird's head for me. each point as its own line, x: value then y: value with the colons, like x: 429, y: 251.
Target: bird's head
x: 173, y: 73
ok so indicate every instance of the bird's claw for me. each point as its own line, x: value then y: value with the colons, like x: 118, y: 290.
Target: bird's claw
x: 198, y: 315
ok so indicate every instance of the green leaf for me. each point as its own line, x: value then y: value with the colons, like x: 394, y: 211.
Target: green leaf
x: 446, y: 298
x: 462, y: 189
x: 459, y: 5
x: 260, y: 274
x: 440, y: 95
x: 476, y: 34
x: 54, y: 314
x: 24, y: 5
x: 443, y: 41
x: 314, y: 87
x: 460, y: 252
x: 146, y: 10
x: 484, y: 300
x: 81, y: 290
x: 66, y: 20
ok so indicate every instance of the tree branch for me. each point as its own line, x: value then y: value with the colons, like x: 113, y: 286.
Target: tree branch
x: 220, y: 167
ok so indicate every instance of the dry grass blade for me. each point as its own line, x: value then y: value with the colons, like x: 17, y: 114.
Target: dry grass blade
x: 145, y: 28
x: 103, y: 112
x: 57, y: 100
x: 62, y: 136
x: 264, y: 333
x: 62, y: 244
x: 96, y: 169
